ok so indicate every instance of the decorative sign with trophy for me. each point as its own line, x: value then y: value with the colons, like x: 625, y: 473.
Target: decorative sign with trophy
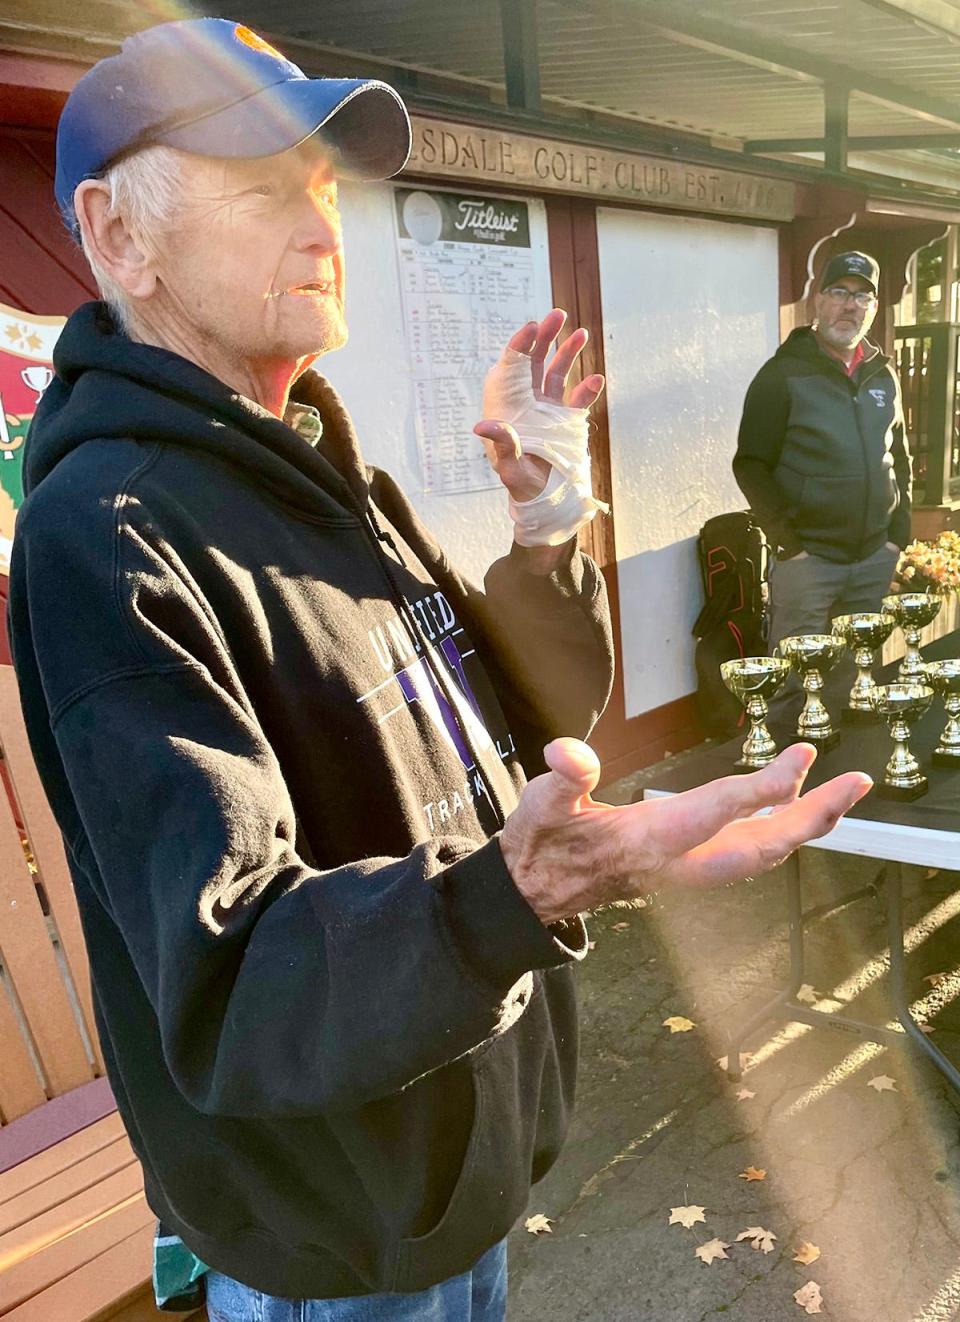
x: 26, y: 356
x: 927, y: 571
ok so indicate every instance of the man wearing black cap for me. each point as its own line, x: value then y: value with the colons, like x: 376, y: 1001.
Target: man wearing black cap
x: 331, y: 926
x: 823, y: 461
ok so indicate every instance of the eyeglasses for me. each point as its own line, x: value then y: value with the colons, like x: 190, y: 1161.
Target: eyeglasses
x: 862, y: 297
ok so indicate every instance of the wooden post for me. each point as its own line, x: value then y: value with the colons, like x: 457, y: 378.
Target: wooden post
x: 836, y: 100
x: 521, y: 65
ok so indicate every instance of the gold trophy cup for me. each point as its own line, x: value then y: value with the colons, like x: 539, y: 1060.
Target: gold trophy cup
x: 900, y: 705
x: 912, y: 611
x: 754, y: 680
x: 944, y: 678
x: 864, y: 634
x: 812, y: 656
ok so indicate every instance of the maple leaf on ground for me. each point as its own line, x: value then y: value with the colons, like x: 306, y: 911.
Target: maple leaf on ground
x: 759, y: 1238
x: 678, y: 1023
x: 809, y: 1297
x: 686, y: 1216
x: 806, y: 1253
x: 751, y: 1173
x: 882, y: 1083
x: 713, y: 1249
x: 745, y: 1059
x: 745, y: 1094
x: 935, y: 979
x: 806, y: 993
x: 539, y: 1224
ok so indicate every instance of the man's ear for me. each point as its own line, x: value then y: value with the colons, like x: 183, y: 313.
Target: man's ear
x: 110, y: 242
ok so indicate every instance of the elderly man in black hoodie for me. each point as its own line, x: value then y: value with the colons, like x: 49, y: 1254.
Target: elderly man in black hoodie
x: 331, y: 926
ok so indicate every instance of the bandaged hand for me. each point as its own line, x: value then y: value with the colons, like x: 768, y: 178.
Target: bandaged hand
x: 535, y: 439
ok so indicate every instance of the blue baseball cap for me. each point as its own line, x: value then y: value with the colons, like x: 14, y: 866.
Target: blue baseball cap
x: 212, y: 87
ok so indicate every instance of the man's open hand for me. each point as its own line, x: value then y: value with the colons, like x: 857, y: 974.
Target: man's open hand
x: 525, y: 475
x: 567, y: 853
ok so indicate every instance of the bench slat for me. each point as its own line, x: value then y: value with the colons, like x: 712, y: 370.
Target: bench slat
x: 20, y: 1089
x: 47, y: 845
x: 70, y: 1220
x: 35, y: 1170
x: 64, y: 1258
x: 32, y: 967
x: 78, y: 1178
x: 94, y: 1289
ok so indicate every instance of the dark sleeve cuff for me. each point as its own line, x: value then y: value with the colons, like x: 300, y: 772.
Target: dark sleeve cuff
x: 542, y: 592
x: 496, y: 931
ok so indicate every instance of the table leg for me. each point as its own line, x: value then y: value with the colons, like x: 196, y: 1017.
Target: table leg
x: 898, y: 982
x: 797, y: 968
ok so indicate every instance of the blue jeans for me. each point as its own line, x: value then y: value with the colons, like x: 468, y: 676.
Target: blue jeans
x: 478, y: 1295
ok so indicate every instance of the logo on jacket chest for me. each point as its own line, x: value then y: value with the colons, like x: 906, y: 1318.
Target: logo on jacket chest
x: 878, y: 395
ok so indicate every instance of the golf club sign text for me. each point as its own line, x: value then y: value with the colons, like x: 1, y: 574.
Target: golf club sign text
x: 462, y: 151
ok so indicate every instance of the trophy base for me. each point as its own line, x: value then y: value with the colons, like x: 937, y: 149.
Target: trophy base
x: 857, y: 717
x: 745, y: 768
x: 903, y: 793
x: 949, y: 761
x: 822, y: 744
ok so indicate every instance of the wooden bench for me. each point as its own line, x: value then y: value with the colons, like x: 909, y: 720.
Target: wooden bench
x: 75, y: 1231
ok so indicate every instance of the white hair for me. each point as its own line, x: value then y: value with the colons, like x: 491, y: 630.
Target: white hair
x: 146, y: 190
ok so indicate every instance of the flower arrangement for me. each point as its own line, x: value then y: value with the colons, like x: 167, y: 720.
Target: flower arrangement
x: 931, y: 566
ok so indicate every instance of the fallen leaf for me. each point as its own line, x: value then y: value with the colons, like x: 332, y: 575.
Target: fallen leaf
x: 809, y: 1297
x: 745, y: 1094
x: 806, y: 993
x: 806, y: 1253
x: 935, y: 979
x: 927, y: 1028
x: 619, y: 927
x: 686, y: 1216
x: 745, y: 1059
x: 751, y: 1173
x: 882, y: 1083
x: 677, y: 1023
x: 709, y: 1252
x: 759, y: 1238
x: 539, y: 1224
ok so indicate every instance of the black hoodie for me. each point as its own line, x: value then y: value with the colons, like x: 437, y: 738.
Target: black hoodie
x: 821, y: 455
x: 279, y: 733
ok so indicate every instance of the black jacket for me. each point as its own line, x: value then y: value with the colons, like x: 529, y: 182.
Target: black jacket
x: 342, y: 1043
x: 821, y: 456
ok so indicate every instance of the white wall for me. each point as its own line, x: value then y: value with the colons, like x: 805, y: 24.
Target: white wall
x: 690, y: 311
x: 373, y: 375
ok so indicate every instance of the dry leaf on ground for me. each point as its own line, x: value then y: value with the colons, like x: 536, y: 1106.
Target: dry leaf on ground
x: 935, y: 979
x: 759, y: 1238
x: 745, y: 1094
x: 619, y: 927
x: 882, y: 1083
x: 745, y: 1059
x: 709, y: 1252
x: 751, y: 1173
x: 806, y: 993
x: 539, y: 1224
x: 678, y: 1023
x: 809, y: 1297
x: 686, y: 1216
x: 806, y: 1253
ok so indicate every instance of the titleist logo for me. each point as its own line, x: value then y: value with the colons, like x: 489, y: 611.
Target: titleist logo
x: 478, y: 215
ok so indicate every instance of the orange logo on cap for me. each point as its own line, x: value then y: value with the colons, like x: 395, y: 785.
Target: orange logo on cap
x: 251, y: 39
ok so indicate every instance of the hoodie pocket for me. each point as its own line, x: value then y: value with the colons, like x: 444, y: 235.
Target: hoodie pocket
x: 832, y: 508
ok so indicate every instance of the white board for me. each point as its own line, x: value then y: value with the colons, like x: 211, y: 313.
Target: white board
x: 690, y: 312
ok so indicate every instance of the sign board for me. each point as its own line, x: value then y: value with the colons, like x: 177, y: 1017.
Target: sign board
x: 450, y: 150
x: 26, y: 369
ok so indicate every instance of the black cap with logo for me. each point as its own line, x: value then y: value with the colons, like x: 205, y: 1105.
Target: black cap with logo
x: 860, y: 264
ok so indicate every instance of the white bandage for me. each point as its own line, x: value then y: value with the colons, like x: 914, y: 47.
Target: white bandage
x: 552, y: 432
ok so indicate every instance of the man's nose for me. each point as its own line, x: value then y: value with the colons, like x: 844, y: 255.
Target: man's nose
x: 321, y: 228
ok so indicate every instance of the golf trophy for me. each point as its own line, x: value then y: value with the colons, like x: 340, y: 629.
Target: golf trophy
x: 812, y: 656
x: 912, y: 611
x: 754, y: 680
x: 864, y: 634
x: 944, y: 678
x: 900, y: 705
